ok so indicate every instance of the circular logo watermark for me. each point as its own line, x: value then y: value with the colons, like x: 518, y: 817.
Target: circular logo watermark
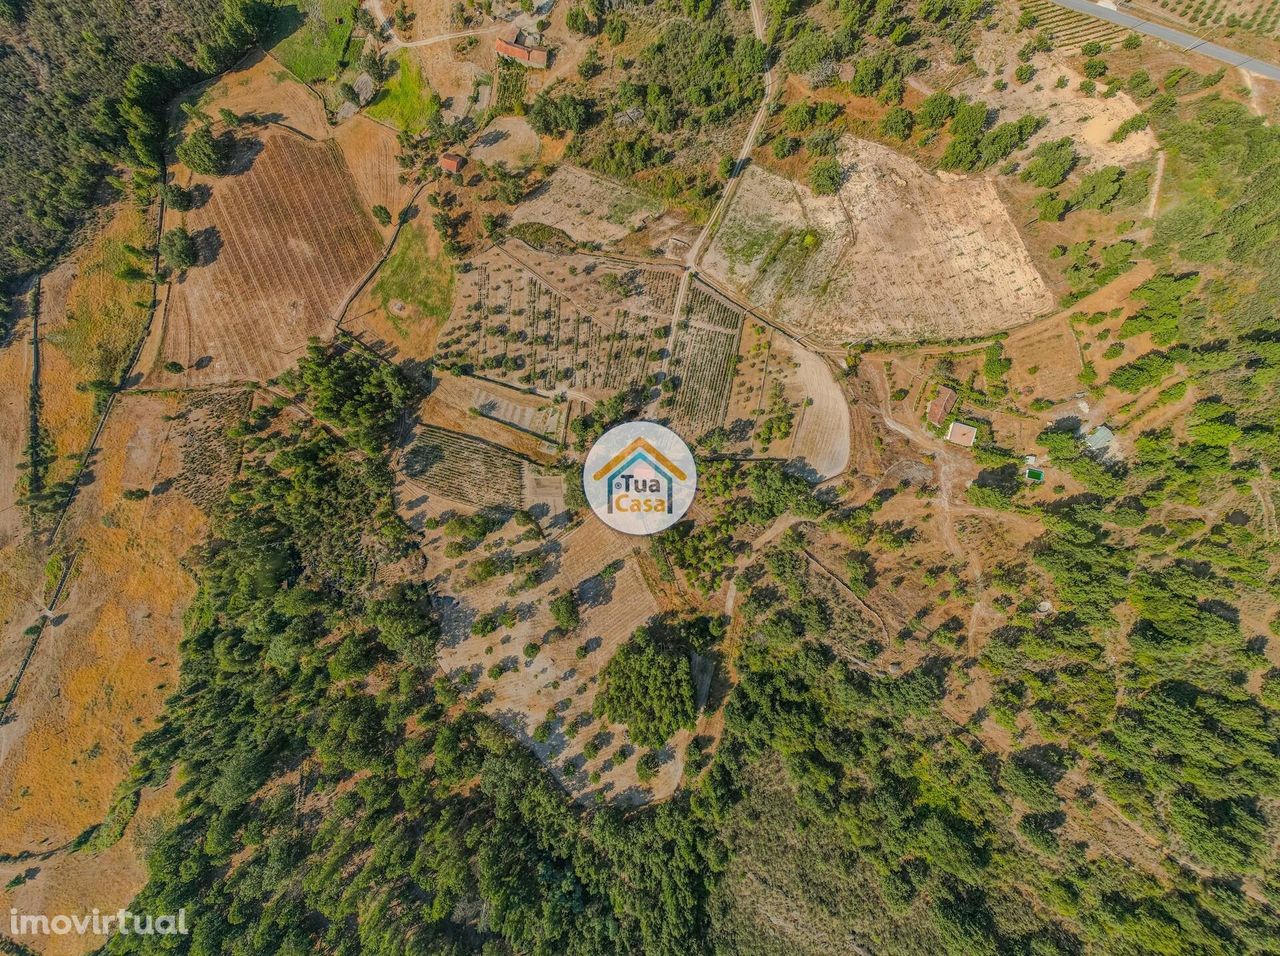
x: 640, y: 478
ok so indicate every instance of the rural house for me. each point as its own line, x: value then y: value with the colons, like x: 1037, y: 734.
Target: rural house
x: 517, y: 45
x: 941, y: 406
x: 452, y: 162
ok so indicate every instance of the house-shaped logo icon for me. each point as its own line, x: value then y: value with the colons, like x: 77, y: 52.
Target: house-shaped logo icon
x: 643, y: 468
x: 639, y: 477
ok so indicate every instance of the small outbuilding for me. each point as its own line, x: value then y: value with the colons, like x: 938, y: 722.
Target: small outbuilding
x: 452, y: 162
x: 961, y: 434
x: 1100, y: 439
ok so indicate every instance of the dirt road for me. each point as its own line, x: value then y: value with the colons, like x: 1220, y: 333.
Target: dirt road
x: 694, y: 255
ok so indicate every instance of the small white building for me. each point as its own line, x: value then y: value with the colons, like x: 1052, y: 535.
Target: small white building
x: 961, y: 434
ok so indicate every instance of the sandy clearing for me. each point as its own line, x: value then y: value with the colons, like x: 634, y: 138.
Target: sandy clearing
x: 899, y: 254
x: 587, y: 207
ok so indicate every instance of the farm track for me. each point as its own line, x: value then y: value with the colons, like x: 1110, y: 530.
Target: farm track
x: 694, y: 255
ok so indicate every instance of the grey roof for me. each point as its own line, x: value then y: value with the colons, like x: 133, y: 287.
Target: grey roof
x: 1100, y: 438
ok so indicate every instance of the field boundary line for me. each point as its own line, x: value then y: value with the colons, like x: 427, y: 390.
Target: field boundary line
x: 12, y: 694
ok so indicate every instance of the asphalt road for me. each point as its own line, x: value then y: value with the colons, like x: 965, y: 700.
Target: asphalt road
x: 1187, y: 41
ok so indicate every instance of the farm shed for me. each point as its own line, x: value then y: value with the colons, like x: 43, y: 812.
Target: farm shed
x: 452, y: 162
x: 961, y: 434
x: 1100, y: 438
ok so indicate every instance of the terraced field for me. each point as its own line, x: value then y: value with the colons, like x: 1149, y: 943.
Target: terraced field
x: 704, y: 358
x: 1071, y: 29
x: 465, y: 469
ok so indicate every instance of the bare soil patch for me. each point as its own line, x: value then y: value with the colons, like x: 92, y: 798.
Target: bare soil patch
x: 587, y: 207
x: 508, y: 139
x: 1088, y: 120
x: 525, y: 423
x: 899, y: 254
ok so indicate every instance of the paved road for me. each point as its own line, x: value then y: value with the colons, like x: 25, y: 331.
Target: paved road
x: 1187, y: 41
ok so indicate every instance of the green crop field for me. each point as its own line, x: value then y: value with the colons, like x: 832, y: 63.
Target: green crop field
x: 407, y: 101
x: 309, y: 39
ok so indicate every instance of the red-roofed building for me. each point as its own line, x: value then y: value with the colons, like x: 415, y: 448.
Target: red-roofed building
x: 941, y: 406
x: 516, y: 45
x: 452, y: 162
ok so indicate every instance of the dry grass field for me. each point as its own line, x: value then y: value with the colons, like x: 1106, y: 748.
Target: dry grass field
x: 77, y: 882
x: 90, y: 320
x: 108, y: 659
x: 899, y: 254
x: 289, y: 238
x: 588, y: 208
x: 821, y: 443
x: 259, y: 85
x: 15, y: 382
x: 1046, y: 360
x: 370, y: 151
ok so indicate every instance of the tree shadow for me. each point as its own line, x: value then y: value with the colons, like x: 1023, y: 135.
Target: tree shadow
x: 208, y: 245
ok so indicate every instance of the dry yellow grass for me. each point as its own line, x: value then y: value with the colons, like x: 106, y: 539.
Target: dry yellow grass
x: 88, y: 330
x: 101, y: 673
x: 15, y: 379
x: 78, y: 882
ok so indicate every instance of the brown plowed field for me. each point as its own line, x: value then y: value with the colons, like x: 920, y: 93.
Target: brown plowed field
x: 370, y: 150
x: 293, y: 237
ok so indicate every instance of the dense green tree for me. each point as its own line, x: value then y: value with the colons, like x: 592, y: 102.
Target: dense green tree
x: 178, y: 249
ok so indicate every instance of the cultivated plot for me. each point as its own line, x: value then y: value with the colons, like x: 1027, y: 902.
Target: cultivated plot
x: 282, y: 243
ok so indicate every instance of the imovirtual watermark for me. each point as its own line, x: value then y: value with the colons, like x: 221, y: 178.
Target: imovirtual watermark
x: 97, y: 923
